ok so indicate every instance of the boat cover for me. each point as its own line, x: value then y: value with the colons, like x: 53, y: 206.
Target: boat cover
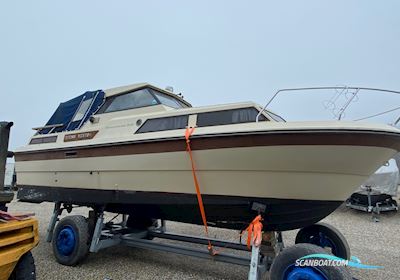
x: 385, y: 179
x: 73, y: 113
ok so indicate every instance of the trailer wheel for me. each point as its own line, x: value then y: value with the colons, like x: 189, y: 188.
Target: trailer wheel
x: 284, y: 266
x: 71, y: 240
x: 25, y: 268
x: 325, y: 236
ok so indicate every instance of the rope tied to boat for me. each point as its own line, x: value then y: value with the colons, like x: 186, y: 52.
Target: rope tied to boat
x: 188, y: 133
x: 254, y: 230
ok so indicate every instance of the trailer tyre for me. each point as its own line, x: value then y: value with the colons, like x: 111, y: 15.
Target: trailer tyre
x: 25, y: 268
x: 71, y: 240
x: 284, y: 266
x: 325, y: 236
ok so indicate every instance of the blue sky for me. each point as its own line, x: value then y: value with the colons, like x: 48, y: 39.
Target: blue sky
x: 212, y: 51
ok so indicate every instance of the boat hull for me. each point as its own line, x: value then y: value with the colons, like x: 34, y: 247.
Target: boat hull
x: 299, y: 176
x: 282, y: 172
x: 230, y: 212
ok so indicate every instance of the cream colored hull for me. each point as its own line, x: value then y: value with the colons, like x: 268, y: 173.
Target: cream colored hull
x: 305, y: 172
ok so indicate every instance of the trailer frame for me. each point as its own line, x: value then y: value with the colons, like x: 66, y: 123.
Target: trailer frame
x: 102, y: 235
x: 106, y: 235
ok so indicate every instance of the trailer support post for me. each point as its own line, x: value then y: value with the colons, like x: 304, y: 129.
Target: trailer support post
x: 54, y: 218
x: 97, y: 232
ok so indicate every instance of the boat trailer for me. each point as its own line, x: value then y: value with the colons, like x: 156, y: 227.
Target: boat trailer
x: 94, y: 234
x: 384, y: 204
x: 106, y: 235
x: 372, y: 202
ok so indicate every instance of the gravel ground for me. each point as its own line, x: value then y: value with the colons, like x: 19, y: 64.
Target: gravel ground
x: 373, y: 243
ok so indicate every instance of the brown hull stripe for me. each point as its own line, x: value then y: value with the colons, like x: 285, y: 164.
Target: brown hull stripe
x: 374, y: 139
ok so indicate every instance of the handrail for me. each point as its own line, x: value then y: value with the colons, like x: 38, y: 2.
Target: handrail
x: 48, y: 126
x: 343, y: 88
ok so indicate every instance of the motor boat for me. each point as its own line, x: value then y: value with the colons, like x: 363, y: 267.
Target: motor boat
x: 125, y: 149
x: 376, y: 194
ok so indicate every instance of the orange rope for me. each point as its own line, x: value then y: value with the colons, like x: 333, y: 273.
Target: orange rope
x: 255, y: 227
x: 188, y: 133
x: 254, y: 231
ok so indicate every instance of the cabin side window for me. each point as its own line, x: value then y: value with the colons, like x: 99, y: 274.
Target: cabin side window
x: 43, y: 140
x: 242, y: 115
x: 132, y: 100
x: 162, y: 124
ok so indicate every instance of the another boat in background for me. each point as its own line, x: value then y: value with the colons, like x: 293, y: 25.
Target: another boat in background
x: 376, y: 194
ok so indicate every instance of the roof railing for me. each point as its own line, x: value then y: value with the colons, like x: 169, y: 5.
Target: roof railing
x: 339, y: 90
x: 51, y: 126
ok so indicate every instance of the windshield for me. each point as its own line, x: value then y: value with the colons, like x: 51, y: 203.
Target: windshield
x: 137, y: 99
x: 168, y: 100
x: 131, y: 100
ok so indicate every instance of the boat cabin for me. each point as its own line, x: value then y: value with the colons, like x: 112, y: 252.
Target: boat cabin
x: 71, y: 115
x: 151, y: 109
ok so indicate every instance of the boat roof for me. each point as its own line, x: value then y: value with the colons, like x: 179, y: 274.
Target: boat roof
x: 123, y: 89
x: 137, y: 86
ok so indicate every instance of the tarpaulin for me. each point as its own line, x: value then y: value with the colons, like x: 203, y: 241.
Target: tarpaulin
x: 385, y: 179
x: 73, y: 113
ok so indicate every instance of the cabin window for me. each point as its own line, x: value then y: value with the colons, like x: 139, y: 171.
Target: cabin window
x: 242, y: 115
x: 43, y: 140
x: 168, y: 100
x: 136, y: 99
x: 80, y: 114
x: 161, y: 124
